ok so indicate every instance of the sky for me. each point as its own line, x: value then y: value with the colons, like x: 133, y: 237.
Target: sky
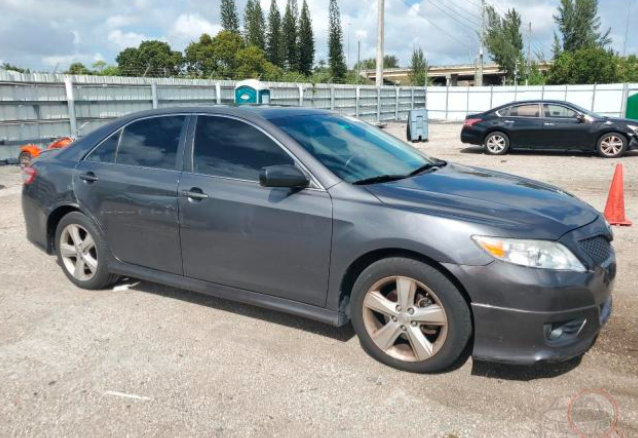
x: 43, y: 34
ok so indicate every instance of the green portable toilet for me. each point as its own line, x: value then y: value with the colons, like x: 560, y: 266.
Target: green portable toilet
x: 632, y: 107
x: 252, y: 91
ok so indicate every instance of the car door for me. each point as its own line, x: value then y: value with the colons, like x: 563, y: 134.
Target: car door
x: 563, y: 129
x: 234, y: 232
x: 129, y: 185
x: 522, y: 124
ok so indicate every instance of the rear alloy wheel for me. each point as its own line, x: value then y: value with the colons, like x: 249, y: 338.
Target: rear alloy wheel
x: 82, y: 252
x: 24, y: 159
x: 497, y: 143
x: 612, y: 145
x: 410, y: 316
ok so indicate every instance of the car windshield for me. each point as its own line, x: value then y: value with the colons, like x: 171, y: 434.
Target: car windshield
x: 355, y: 151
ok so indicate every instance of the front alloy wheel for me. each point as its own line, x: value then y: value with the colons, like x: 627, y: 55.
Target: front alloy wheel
x: 612, y: 145
x: 405, y: 319
x: 410, y: 316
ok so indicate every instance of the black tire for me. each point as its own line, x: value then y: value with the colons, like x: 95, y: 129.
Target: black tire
x: 605, y: 145
x: 24, y: 159
x: 101, y: 278
x: 457, y: 311
x: 498, y: 137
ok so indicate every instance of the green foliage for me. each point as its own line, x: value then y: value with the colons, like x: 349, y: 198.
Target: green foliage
x: 389, y: 61
x: 151, y: 58
x: 7, y: 66
x: 254, y: 25
x: 230, y: 19
x: 418, y: 68
x: 290, y: 36
x: 336, y: 59
x: 584, y: 66
x: 215, y: 57
x: 77, y: 68
x: 579, y: 25
x: 226, y: 56
x: 275, y: 47
x: 536, y: 77
x: 306, y: 41
x: 110, y: 70
x: 252, y: 63
x: 628, y: 69
x: 504, y: 41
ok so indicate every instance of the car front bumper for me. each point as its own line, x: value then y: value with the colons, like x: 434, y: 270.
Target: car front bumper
x: 524, y: 315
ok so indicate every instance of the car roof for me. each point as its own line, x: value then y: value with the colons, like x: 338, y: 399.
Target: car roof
x: 531, y: 102
x: 263, y: 111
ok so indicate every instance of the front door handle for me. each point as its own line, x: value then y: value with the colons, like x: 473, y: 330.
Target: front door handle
x: 195, y: 193
x: 548, y: 124
x: 88, y: 177
x: 509, y: 121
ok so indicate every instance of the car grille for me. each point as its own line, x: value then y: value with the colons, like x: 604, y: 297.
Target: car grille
x: 598, y: 248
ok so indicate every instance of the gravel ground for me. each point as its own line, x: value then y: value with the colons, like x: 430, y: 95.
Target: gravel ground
x: 157, y: 361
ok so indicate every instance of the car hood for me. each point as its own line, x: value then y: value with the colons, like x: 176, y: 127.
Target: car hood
x: 519, y: 207
x: 620, y: 120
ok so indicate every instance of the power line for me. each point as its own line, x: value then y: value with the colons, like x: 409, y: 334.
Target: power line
x: 436, y: 26
x: 474, y: 25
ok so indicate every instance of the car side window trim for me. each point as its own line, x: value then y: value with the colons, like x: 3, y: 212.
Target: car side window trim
x: 180, y: 148
x: 540, y: 111
x: 315, y: 184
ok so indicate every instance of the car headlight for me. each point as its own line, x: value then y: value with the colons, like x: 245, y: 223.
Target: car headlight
x: 633, y: 128
x: 542, y: 254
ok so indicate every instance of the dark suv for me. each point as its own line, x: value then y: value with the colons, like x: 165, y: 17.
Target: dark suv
x: 329, y: 218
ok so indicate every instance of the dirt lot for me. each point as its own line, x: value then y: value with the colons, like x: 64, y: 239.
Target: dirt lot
x: 157, y: 361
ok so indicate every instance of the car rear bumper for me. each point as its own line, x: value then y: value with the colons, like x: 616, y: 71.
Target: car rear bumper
x: 471, y: 136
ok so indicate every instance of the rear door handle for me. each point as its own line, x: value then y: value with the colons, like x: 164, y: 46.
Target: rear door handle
x: 195, y: 193
x: 509, y: 121
x: 89, y: 177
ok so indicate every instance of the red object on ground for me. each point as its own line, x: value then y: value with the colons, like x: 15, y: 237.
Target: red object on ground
x: 615, y: 208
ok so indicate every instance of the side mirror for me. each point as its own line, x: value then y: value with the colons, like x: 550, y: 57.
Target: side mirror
x: 581, y: 118
x: 283, y: 176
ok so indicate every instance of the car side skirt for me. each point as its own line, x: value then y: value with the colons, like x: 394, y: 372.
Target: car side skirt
x: 308, y: 311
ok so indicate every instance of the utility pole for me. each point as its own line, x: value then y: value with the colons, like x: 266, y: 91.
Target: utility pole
x: 529, y: 53
x: 380, y: 44
x: 481, y: 61
x: 624, y: 47
x: 358, y: 61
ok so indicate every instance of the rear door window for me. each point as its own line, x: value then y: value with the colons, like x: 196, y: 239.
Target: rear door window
x: 105, y: 152
x: 152, y: 142
x: 521, y: 111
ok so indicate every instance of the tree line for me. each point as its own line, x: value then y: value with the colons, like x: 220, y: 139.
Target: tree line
x: 581, y: 50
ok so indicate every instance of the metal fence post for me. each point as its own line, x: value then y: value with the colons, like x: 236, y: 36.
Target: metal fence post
x: 218, y: 93
x: 411, y: 97
x: 378, y: 104
x: 593, y: 98
x: 396, y: 106
x: 543, y: 92
x: 491, y: 96
x: 154, y: 95
x: 357, y: 97
x: 467, y: 101
x: 300, y: 87
x: 73, y: 124
x: 332, y: 97
x: 623, y: 103
x: 447, y: 101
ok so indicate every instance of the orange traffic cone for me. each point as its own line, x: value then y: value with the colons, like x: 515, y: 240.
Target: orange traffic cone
x: 615, y: 208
